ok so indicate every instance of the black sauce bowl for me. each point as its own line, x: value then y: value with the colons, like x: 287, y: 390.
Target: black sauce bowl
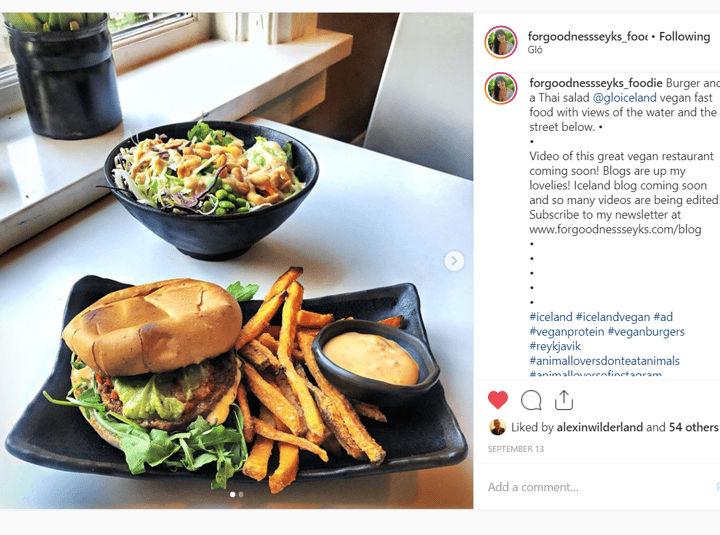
x: 370, y: 390
x: 208, y: 237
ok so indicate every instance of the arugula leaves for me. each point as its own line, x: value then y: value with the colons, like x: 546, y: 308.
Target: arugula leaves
x: 202, y: 130
x: 201, y: 444
x: 85, y: 400
x: 242, y: 293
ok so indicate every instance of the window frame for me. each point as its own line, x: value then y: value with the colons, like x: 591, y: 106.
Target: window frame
x: 130, y: 49
x: 134, y: 48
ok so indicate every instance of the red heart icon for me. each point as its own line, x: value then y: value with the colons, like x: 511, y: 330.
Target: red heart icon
x: 497, y: 399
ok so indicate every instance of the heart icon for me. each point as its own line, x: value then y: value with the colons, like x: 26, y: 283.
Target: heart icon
x: 497, y: 399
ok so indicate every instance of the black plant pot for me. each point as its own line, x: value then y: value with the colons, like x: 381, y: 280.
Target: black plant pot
x: 68, y: 81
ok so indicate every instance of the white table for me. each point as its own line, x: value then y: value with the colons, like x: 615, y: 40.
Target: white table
x: 371, y: 221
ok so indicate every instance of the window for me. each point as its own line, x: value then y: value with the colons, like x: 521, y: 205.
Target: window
x: 141, y: 37
x: 6, y: 59
x: 137, y: 38
x: 128, y: 22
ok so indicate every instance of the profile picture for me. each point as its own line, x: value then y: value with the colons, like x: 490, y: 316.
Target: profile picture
x: 497, y: 427
x: 500, y: 88
x: 500, y: 42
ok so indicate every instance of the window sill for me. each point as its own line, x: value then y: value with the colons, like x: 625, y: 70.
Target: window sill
x: 44, y: 180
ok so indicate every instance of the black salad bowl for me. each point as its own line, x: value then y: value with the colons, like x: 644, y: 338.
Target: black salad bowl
x: 370, y: 390
x: 208, y: 237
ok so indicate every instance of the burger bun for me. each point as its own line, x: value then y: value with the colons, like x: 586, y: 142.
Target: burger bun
x: 155, y: 327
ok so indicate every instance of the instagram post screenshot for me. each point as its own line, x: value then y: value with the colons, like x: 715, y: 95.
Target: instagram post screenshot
x: 596, y: 378
x: 236, y: 264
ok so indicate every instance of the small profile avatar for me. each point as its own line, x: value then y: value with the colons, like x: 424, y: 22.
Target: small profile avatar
x: 497, y: 427
x: 500, y: 88
x: 500, y: 42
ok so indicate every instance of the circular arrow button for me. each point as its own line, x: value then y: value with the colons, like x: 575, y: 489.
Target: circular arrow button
x: 454, y: 261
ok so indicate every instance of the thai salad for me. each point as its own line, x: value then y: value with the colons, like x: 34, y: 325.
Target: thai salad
x: 210, y: 173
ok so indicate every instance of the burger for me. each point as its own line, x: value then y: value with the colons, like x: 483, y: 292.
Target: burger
x: 157, y: 358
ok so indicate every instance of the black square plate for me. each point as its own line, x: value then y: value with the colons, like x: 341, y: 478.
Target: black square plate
x: 422, y: 435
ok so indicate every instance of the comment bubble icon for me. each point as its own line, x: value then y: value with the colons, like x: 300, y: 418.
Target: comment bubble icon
x: 531, y: 400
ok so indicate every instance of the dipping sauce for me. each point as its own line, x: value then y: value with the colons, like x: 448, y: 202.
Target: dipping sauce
x: 372, y: 356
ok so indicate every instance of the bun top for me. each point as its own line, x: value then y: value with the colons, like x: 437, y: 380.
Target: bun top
x: 156, y: 327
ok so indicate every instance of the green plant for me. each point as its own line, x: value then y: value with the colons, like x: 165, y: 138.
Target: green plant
x: 51, y: 22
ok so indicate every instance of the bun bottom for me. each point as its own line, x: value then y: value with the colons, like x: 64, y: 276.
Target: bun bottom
x: 107, y: 435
